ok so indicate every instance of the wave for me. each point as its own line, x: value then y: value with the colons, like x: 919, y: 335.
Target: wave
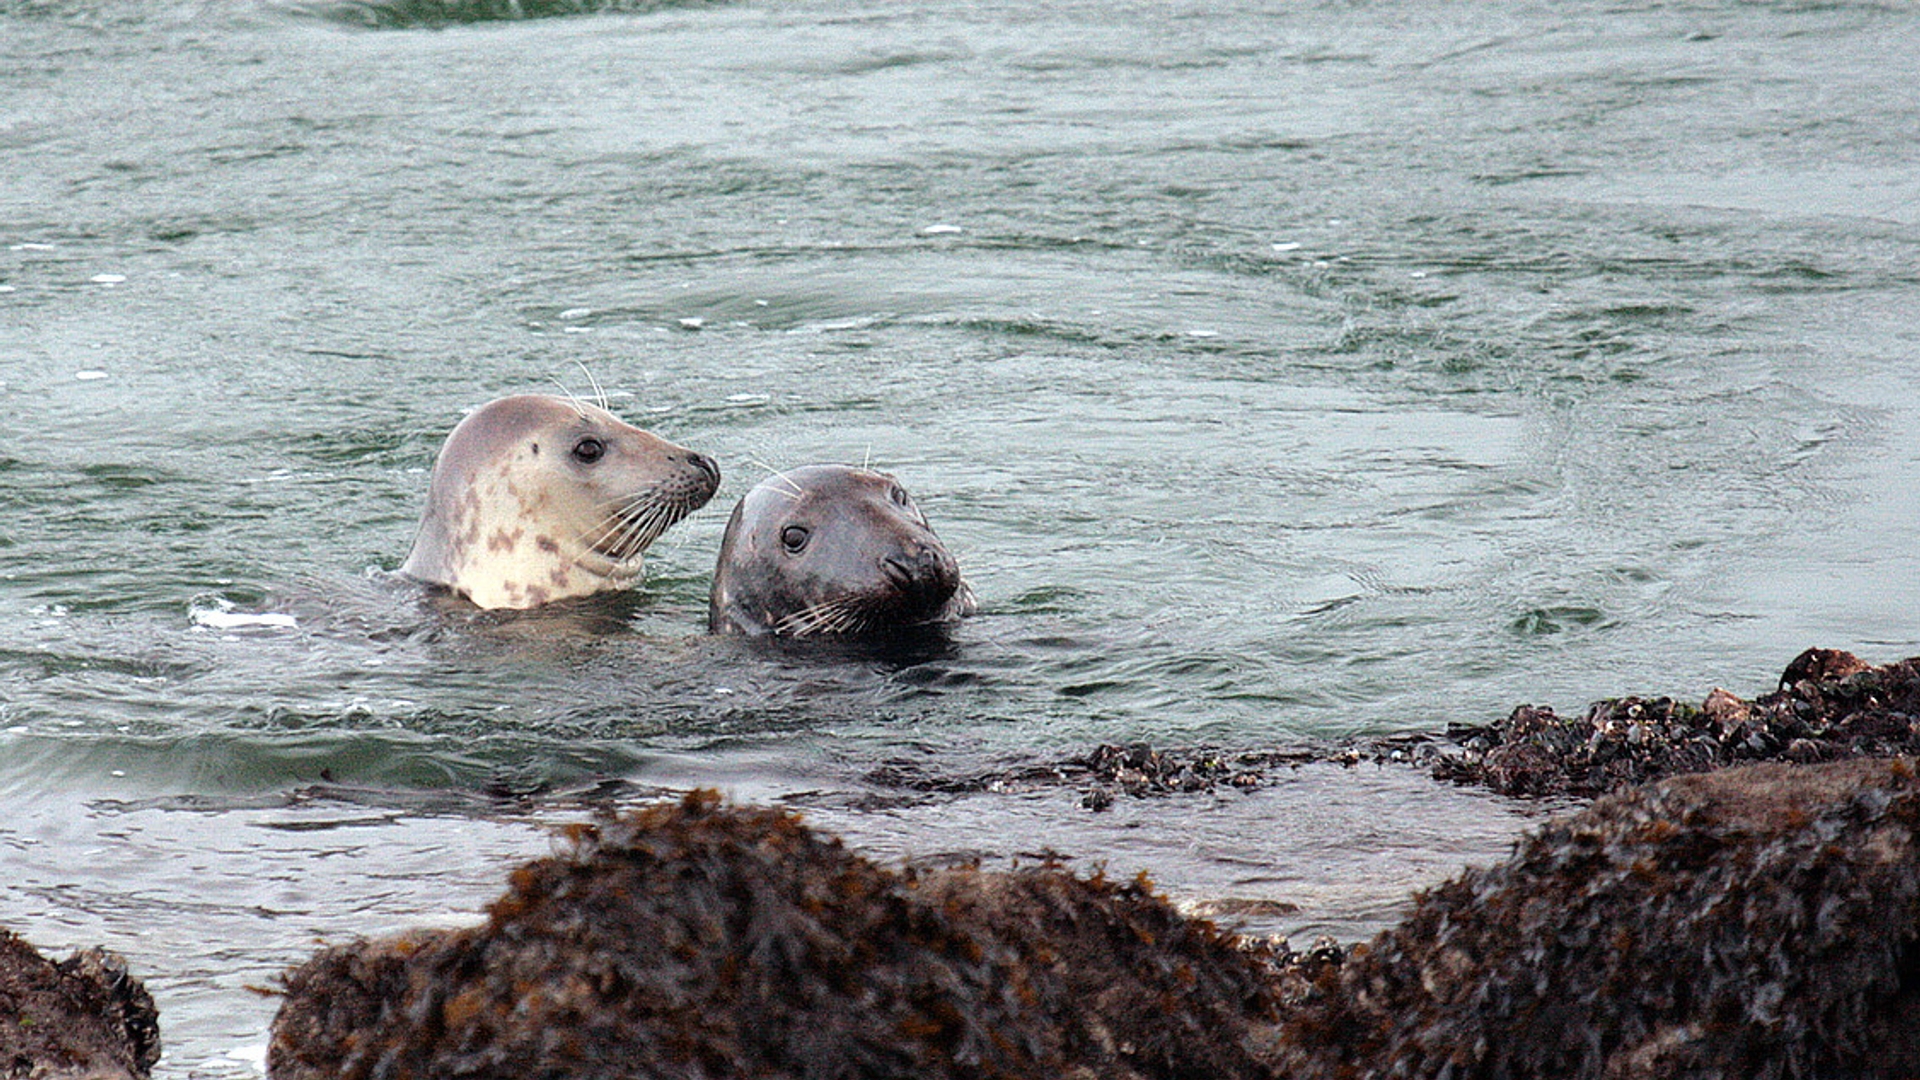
x: 430, y: 14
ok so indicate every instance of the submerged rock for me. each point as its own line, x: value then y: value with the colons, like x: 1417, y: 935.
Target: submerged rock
x: 1829, y: 706
x: 1757, y: 922
x: 81, y: 1017
x: 693, y: 940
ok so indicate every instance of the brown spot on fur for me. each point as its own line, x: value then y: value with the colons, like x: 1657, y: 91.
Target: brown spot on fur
x: 547, y: 545
x: 502, y: 540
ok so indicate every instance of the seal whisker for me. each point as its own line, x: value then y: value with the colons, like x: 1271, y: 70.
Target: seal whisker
x: 779, y: 477
x: 579, y: 407
x: 841, y: 615
x: 629, y: 525
x: 627, y: 532
x: 801, y: 622
x: 599, y: 392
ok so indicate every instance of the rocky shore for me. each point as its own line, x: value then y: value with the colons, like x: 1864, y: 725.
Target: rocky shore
x: 1758, y: 922
x: 1742, y: 899
x: 1829, y: 706
x: 1754, y: 922
x: 82, y: 1017
x: 692, y: 940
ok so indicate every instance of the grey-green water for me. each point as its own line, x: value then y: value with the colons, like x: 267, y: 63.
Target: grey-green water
x: 1277, y: 372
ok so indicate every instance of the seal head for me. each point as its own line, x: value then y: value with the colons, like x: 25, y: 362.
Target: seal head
x: 536, y: 498
x: 830, y: 549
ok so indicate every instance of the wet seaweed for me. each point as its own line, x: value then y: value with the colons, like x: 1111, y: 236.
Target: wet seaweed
x: 1830, y: 705
x: 82, y: 1016
x: 1759, y: 922
x: 693, y: 939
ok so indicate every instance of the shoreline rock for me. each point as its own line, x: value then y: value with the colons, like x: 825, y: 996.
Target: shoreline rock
x: 1761, y: 922
x: 1757, y: 922
x: 690, y: 939
x: 1705, y: 916
x: 1829, y: 706
x: 82, y: 1017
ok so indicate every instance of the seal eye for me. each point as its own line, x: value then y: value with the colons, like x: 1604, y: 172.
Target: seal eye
x: 900, y: 496
x: 794, y: 538
x: 589, y: 450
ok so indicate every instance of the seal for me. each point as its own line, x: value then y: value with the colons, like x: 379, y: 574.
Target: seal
x: 537, y: 498
x: 831, y: 549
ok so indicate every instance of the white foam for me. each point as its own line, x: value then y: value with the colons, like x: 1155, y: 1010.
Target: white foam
x: 221, y: 616
x: 255, y: 1057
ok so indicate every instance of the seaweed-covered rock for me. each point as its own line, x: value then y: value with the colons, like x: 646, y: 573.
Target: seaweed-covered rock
x: 694, y: 940
x: 1757, y: 922
x: 1830, y: 705
x: 80, y: 1017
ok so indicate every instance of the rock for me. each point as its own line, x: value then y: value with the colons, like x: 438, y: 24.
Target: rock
x: 1757, y: 922
x: 1830, y: 705
x: 1821, y: 665
x: 83, y: 1017
x: 694, y: 940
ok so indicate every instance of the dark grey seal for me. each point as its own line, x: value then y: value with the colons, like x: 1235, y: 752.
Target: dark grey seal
x: 831, y: 549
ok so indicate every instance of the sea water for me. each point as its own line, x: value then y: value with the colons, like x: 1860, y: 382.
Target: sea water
x: 1278, y: 373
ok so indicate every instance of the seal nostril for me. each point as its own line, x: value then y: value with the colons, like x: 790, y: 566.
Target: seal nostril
x: 899, y: 571
x: 706, y: 465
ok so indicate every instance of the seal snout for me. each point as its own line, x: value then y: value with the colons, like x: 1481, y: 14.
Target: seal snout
x: 924, y: 573
x: 708, y: 468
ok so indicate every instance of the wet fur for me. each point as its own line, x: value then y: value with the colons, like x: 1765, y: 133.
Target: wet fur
x: 513, y: 520
x: 872, y: 564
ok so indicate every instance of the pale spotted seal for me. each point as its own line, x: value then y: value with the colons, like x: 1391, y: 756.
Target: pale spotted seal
x: 831, y: 549
x: 538, y: 498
